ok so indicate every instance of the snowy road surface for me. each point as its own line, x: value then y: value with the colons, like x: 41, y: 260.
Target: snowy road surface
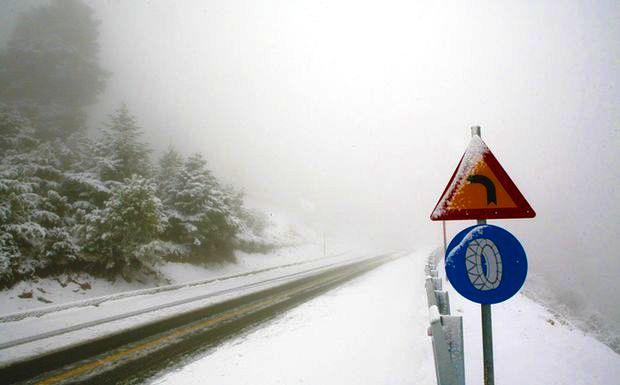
x: 137, y: 348
x: 373, y: 331
x: 94, y: 318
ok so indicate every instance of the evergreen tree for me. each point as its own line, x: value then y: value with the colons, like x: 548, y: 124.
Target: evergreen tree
x: 61, y: 208
x: 200, y: 213
x: 197, y: 189
x: 16, y: 133
x: 20, y: 237
x: 49, y: 69
x: 170, y: 167
x: 81, y: 185
x: 121, y: 154
x: 117, y: 236
x: 34, y: 217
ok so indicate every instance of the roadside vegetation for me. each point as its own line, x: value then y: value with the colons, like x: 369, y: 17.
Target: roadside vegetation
x: 100, y: 204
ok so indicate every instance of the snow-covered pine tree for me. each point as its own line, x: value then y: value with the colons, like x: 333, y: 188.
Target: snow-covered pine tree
x: 121, y: 153
x: 170, y: 167
x: 82, y: 185
x: 17, y: 197
x: 49, y: 69
x: 16, y: 133
x: 251, y: 236
x: 34, y: 216
x: 199, y: 212
x: 123, y: 236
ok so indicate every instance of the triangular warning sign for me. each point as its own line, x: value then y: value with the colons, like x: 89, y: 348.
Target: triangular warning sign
x: 481, y: 189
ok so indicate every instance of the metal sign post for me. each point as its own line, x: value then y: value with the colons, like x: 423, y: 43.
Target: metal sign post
x: 324, y: 245
x: 487, y: 336
x: 445, y: 242
x: 487, y: 345
x: 487, y: 323
x: 485, y: 311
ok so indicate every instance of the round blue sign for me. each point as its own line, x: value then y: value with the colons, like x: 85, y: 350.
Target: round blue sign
x: 486, y: 264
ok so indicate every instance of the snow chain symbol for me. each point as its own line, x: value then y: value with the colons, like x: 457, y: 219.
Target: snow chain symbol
x: 484, y: 264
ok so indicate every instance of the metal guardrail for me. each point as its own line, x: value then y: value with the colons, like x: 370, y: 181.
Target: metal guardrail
x: 445, y: 330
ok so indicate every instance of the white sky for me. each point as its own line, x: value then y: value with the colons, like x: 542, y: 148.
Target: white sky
x: 363, y: 108
x: 355, y: 113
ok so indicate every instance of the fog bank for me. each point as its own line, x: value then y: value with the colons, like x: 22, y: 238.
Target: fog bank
x: 353, y: 115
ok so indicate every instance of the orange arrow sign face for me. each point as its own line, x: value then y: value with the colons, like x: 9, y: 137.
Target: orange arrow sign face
x: 481, y: 189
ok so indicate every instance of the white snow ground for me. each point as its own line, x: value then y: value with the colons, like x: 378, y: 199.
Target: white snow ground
x: 48, y: 329
x: 369, y: 331
x: 373, y: 331
x: 531, y: 346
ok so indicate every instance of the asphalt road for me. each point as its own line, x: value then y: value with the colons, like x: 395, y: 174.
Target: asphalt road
x: 132, y: 356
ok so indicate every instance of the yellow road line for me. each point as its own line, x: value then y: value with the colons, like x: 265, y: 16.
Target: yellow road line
x: 245, y: 309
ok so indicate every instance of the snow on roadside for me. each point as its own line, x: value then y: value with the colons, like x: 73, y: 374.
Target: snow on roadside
x: 49, y: 292
x: 43, y: 292
x: 531, y: 346
x: 45, y: 330
x: 372, y: 330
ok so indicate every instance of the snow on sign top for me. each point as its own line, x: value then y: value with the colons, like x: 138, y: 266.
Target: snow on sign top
x: 481, y: 189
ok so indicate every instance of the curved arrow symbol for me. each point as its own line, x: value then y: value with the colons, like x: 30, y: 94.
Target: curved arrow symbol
x: 488, y: 184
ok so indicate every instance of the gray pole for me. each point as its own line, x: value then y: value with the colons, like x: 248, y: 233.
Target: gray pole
x: 445, y: 243
x: 487, y: 326
x: 487, y: 338
x: 324, y: 245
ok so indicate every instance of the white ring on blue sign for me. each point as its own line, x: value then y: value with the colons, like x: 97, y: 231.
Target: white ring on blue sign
x: 486, y: 264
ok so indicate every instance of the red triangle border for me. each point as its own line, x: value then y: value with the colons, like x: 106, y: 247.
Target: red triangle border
x: 523, y: 209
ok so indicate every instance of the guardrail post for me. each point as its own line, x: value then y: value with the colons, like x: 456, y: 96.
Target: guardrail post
x: 443, y: 302
x: 430, y: 292
x: 447, y: 340
x: 437, y: 283
x: 453, y: 329
x: 446, y: 332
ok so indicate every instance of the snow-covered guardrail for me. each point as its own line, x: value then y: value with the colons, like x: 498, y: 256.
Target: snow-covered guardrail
x: 96, y: 301
x: 445, y: 330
